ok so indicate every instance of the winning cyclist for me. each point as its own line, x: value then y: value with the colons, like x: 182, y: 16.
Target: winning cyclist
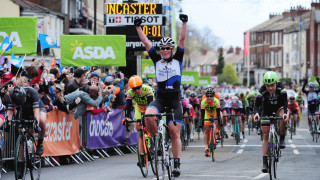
x: 312, y: 98
x: 210, y: 107
x: 168, y: 70
x: 272, y: 96
x: 142, y: 95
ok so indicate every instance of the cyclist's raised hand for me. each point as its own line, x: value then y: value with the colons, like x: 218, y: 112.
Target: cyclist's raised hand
x: 256, y: 116
x: 183, y: 17
x: 137, y: 22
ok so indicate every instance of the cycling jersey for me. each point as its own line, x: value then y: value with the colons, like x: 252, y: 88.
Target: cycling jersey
x: 168, y: 73
x: 142, y: 101
x: 32, y: 102
x: 251, y: 106
x: 300, y: 100
x: 271, y: 103
x: 186, y: 103
x: 211, y: 109
x: 195, y: 103
x: 293, y: 106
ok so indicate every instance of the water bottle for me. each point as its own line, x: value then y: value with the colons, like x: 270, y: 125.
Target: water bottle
x: 30, y: 145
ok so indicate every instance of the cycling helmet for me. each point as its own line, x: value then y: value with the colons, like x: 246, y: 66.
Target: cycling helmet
x: 193, y: 95
x: 135, y: 81
x: 235, y: 98
x: 210, y: 90
x: 251, y: 96
x: 18, y: 95
x: 270, y: 78
x: 242, y: 96
x: 292, y: 98
x: 166, y: 41
x: 300, y: 93
x: 311, y: 85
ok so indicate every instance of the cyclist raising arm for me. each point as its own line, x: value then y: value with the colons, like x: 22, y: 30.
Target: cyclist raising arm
x: 272, y: 96
x: 168, y: 67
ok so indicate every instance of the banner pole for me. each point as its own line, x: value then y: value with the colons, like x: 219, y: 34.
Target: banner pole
x: 20, y: 66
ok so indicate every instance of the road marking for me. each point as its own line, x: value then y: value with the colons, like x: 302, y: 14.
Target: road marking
x: 293, y: 146
x: 295, y: 151
x: 260, y: 176
x: 240, y: 151
x: 242, y: 146
x: 290, y: 141
x: 245, y: 140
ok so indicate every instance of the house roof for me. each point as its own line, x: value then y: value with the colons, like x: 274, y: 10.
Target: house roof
x: 234, y: 58
x: 32, y: 6
x: 210, y: 58
x: 266, y: 24
x: 295, y: 26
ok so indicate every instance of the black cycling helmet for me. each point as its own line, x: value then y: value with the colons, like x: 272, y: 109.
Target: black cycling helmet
x: 193, y: 95
x: 292, y: 98
x: 18, y: 95
x: 210, y: 90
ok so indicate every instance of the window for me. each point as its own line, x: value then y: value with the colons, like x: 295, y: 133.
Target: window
x: 272, y: 38
x: 272, y: 58
x: 312, y: 64
x: 280, y: 38
x: 280, y: 58
x: 287, y: 58
x: 295, y: 39
x: 276, y: 40
x: 276, y: 59
x: 287, y: 75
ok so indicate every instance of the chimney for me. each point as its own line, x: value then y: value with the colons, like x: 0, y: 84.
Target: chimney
x: 238, y: 50
x: 231, y: 50
x: 286, y: 14
x: 315, y: 5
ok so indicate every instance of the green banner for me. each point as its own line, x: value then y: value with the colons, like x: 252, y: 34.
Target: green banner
x: 190, y: 77
x: 22, y: 31
x: 204, y: 80
x: 147, y: 67
x: 313, y: 79
x: 95, y: 50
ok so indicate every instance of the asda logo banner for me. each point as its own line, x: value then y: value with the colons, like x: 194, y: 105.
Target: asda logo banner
x: 204, y: 80
x: 147, y: 67
x: 95, y: 50
x: 190, y: 77
x: 22, y: 32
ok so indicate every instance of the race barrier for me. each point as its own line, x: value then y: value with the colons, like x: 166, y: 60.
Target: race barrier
x: 63, y: 134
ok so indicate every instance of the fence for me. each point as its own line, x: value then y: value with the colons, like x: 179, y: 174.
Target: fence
x: 67, y: 136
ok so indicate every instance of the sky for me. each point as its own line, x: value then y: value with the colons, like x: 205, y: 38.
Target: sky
x: 229, y: 19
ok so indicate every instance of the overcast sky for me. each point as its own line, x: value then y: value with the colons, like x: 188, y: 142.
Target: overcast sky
x: 228, y: 19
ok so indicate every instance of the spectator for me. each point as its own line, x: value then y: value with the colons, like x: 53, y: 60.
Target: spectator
x: 5, y: 63
x: 36, y: 76
x: 109, y: 80
x: 35, y: 62
x: 46, y: 100
x: 91, y: 97
x: 60, y: 102
x: 14, y: 72
x: 22, y: 81
x: 94, y: 78
x: 74, y: 84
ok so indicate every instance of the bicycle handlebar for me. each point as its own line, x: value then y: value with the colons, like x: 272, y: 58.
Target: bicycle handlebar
x: 163, y: 114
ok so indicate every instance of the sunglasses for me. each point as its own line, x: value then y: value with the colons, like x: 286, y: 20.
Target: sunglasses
x: 165, y: 48
x: 209, y: 96
x: 136, y: 88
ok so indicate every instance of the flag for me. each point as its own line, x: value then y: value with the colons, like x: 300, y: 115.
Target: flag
x: 300, y: 25
x: 6, y: 44
x: 17, y: 62
x: 246, y: 44
x: 47, y: 41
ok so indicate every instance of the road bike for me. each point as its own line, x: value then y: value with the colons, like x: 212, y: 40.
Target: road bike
x: 314, y: 129
x: 212, y: 138
x: 145, y: 147
x: 236, y: 129
x: 274, y: 151
x: 183, y: 134
x: 163, y: 158
x: 26, y: 158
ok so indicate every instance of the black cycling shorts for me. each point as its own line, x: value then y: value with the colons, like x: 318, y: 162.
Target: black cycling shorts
x: 171, y: 101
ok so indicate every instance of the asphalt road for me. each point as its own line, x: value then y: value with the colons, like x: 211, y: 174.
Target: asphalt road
x: 300, y: 160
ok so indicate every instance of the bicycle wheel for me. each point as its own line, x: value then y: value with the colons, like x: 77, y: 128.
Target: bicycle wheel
x: 170, y: 166
x: 315, y: 131
x: 151, y: 156
x: 221, y: 135
x: 182, y: 137
x: 212, y: 144
x: 34, y: 160
x: 249, y: 124
x: 198, y: 129
x: 277, y: 157
x: 159, y: 158
x: 237, y: 132
x: 20, y: 164
x: 270, y: 156
x: 142, y: 154
x: 187, y: 134
x: 291, y: 127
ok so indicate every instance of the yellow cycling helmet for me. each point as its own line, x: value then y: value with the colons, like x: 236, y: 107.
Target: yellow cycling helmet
x: 242, y: 96
x: 135, y: 81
